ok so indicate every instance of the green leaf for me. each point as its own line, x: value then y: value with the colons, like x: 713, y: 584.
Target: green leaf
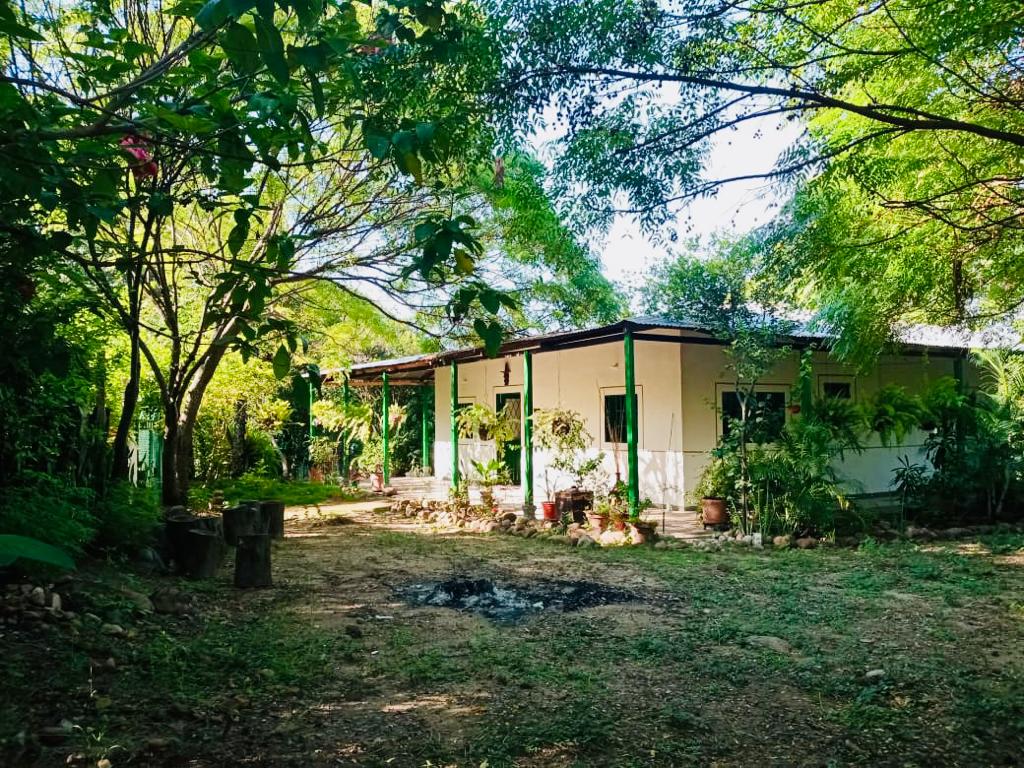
x: 378, y: 145
x: 489, y: 300
x: 14, y: 548
x: 212, y: 15
x: 492, y: 335
x: 316, y: 91
x: 425, y: 132
x: 237, y: 237
x: 464, y: 263
x: 282, y: 362
x: 241, y: 48
x: 272, y: 49
x: 10, y: 26
x: 161, y: 204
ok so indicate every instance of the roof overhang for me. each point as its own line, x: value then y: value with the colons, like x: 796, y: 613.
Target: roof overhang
x: 419, y: 369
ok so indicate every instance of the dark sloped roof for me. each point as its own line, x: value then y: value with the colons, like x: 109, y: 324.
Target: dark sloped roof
x: 915, y: 338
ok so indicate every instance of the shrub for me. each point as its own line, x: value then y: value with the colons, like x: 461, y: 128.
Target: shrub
x: 127, y: 517
x: 50, y: 509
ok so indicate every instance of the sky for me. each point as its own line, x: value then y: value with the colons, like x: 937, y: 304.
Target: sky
x: 627, y: 253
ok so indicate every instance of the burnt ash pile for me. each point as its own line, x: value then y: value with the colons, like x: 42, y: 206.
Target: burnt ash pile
x: 512, y: 602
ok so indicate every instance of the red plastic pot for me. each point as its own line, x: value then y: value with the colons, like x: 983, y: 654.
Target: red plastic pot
x: 549, y: 511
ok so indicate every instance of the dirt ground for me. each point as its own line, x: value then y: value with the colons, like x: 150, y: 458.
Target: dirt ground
x: 896, y: 655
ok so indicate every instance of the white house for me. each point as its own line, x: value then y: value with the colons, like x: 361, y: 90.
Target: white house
x: 682, y: 384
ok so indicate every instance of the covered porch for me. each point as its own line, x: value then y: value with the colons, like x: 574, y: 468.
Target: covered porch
x: 422, y: 372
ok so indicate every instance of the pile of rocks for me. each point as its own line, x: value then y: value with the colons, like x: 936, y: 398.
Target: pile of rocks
x: 28, y: 603
x: 478, y: 519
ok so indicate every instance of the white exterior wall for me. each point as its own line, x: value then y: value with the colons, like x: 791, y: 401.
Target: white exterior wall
x: 576, y: 379
x: 705, y: 375
x: 678, y: 385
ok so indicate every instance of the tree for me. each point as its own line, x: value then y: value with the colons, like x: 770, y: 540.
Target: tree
x: 723, y: 296
x: 226, y: 119
x: 914, y: 122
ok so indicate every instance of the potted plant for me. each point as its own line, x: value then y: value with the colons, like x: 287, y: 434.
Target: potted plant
x: 601, y: 513
x: 643, y: 531
x: 564, y: 433
x: 712, y: 491
x: 488, y: 475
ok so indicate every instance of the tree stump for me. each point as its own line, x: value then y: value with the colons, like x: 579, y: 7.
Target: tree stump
x: 204, y: 554
x: 213, y: 523
x: 242, y: 521
x: 252, y: 561
x: 274, y: 512
x: 177, y: 528
x: 264, y: 524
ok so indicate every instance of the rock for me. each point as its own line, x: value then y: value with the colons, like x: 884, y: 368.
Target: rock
x: 874, y: 675
x: 806, y: 542
x: 585, y: 541
x: 510, y: 517
x: 612, y: 538
x: 55, y: 602
x: 782, y: 542
x: 920, y: 533
x: 354, y: 631
x: 115, y: 630
x: 157, y: 743
x: 757, y: 541
x: 661, y: 545
x: 37, y: 597
x: 110, y: 663
x: 490, y: 526
x: 770, y: 642
x: 169, y: 600
x: 104, y: 763
x: 266, y: 674
x: 93, y: 618
x: 139, y: 600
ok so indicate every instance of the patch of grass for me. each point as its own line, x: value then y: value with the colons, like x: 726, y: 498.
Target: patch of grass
x: 251, y: 656
x: 291, y: 492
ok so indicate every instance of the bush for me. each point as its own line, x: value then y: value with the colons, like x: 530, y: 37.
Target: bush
x: 126, y: 517
x: 50, y: 509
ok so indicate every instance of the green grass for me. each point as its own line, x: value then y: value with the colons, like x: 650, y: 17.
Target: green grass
x: 673, y: 682
x: 291, y: 492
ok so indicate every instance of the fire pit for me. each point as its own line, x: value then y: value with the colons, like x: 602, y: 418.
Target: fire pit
x: 509, y: 602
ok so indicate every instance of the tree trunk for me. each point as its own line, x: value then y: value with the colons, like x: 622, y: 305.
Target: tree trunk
x: 120, y: 469
x: 236, y: 438
x: 245, y: 519
x: 252, y: 561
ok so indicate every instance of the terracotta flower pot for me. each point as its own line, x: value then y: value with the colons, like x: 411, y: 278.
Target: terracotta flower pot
x: 714, y: 511
x: 597, y: 522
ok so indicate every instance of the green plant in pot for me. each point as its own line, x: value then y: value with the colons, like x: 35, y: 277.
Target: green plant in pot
x: 488, y: 475
x: 714, y: 489
x: 564, y: 432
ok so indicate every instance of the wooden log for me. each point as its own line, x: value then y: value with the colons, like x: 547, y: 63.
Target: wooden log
x: 274, y: 512
x: 177, y: 528
x: 252, y: 561
x: 204, y: 554
x: 242, y: 521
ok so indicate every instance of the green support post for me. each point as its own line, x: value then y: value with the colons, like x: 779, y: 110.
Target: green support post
x: 425, y: 426
x: 454, y: 397
x: 345, y: 462
x: 385, y: 425
x: 528, y: 506
x: 632, y: 429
